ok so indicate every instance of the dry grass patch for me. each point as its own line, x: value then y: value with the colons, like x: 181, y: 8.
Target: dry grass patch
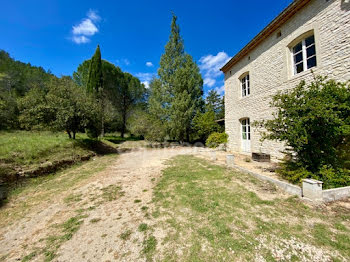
x: 209, y: 214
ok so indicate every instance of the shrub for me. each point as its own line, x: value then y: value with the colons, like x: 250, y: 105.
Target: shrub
x: 144, y: 125
x: 314, y: 122
x: 215, y: 139
x: 205, y: 124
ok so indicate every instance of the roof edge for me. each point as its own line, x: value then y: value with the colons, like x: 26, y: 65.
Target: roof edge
x: 283, y: 17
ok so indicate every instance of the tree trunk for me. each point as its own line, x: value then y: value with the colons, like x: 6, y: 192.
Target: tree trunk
x: 123, y: 126
x: 102, y: 117
x: 69, y: 134
x: 73, y: 134
x: 103, y: 127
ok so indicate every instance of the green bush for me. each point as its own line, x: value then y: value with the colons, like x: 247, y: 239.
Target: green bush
x: 215, y: 139
x: 205, y: 124
x: 314, y: 122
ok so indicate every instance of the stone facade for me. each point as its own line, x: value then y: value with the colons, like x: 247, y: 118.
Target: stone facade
x: 270, y: 67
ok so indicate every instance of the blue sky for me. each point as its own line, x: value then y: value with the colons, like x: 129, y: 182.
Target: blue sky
x: 59, y: 35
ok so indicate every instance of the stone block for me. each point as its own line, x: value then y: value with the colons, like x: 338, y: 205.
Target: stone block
x: 230, y: 160
x: 312, y: 189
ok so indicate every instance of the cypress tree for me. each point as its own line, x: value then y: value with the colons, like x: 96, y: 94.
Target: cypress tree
x: 181, y: 87
x: 95, y: 80
x: 95, y: 85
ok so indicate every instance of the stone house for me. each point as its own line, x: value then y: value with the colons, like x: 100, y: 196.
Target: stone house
x: 309, y: 37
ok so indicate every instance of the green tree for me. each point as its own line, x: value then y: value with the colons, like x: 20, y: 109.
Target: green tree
x: 122, y: 92
x: 314, y: 122
x: 213, y: 102
x: 74, y: 108
x: 128, y: 94
x: 95, y: 86
x: 178, y: 93
x: 143, y: 124
x: 204, y: 124
x: 35, y: 113
x: 95, y: 79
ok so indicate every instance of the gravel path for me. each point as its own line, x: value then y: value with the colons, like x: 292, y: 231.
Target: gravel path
x: 100, y: 237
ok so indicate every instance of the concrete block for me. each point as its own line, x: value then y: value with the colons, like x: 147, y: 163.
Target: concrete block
x: 213, y: 156
x: 312, y: 189
x: 230, y: 160
x: 336, y: 194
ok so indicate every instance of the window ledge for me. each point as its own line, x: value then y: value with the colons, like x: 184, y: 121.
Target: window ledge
x: 244, y: 97
x: 302, y: 74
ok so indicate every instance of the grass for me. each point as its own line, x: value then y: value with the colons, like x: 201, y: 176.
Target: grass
x: 43, y: 190
x: 66, y: 231
x: 111, y: 192
x: 126, y: 234
x: 143, y: 227
x: 149, y: 247
x: 215, y: 212
x: 25, y: 148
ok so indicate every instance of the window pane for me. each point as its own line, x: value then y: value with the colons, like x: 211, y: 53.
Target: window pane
x: 244, y: 129
x: 298, y: 58
x: 247, y: 77
x: 310, y: 40
x: 248, y: 91
x: 310, y: 51
x: 248, y: 136
x: 311, y: 62
x: 297, y: 48
x: 299, y: 68
x: 244, y: 136
x: 244, y: 122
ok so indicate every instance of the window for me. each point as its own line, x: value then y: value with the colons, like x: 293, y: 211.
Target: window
x: 245, y: 125
x: 304, y: 55
x: 246, y: 129
x: 245, y: 86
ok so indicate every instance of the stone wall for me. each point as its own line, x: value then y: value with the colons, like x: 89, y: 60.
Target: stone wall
x: 270, y: 67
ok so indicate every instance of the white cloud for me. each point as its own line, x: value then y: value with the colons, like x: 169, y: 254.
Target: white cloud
x: 149, y: 64
x: 81, y: 39
x: 126, y: 61
x: 146, y: 83
x: 86, y: 28
x: 145, y: 78
x: 220, y: 90
x: 210, y: 64
x: 92, y: 14
x: 209, y: 81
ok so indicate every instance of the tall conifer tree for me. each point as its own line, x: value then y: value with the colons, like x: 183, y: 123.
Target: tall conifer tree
x: 95, y: 84
x: 95, y: 80
x: 181, y: 87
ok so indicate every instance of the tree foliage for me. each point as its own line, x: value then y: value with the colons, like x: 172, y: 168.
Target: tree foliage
x: 215, y: 139
x: 314, y: 122
x: 74, y: 109
x: 204, y: 124
x: 177, y: 94
x: 122, y: 93
x: 95, y: 79
x: 214, y: 102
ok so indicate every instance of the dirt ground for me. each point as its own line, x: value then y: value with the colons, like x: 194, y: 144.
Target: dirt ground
x: 135, y: 173
x: 103, y: 212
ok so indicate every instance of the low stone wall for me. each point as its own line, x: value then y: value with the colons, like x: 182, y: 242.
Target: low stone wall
x: 311, y: 189
x: 334, y: 194
x: 289, y: 188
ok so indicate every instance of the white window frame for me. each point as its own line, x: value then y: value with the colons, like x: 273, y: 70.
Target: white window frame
x: 245, y: 85
x: 304, y: 55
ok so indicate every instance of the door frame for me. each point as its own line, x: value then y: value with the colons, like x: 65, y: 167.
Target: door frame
x: 245, y: 131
